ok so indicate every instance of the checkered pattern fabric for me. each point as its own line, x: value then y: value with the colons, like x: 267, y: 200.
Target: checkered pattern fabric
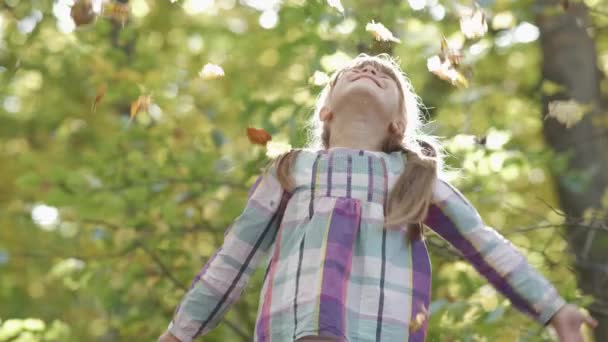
x: 332, y: 268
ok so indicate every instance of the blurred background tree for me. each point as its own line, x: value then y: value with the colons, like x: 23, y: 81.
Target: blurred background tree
x: 124, y: 154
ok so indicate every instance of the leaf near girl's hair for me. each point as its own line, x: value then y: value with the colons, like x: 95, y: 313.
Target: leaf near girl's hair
x: 258, y: 136
x: 380, y: 32
x: 211, y: 71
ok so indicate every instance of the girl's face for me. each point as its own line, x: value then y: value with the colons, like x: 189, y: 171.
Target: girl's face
x: 364, y: 90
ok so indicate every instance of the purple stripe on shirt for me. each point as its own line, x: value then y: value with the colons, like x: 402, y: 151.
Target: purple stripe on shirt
x: 446, y: 228
x: 421, y: 280
x: 341, y: 236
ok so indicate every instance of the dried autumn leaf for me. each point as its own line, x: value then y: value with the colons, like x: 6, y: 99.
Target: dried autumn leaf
x: 211, y: 72
x: 454, y: 56
x: 101, y: 92
x: 336, y: 4
x: 446, y: 71
x: 474, y: 25
x: 418, y: 321
x: 567, y: 112
x: 141, y: 104
x: 117, y: 11
x: 82, y: 12
x: 258, y: 136
x: 380, y: 32
x: 445, y: 65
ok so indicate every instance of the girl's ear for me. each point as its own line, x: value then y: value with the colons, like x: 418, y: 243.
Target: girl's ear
x: 325, y: 114
x: 397, y: 127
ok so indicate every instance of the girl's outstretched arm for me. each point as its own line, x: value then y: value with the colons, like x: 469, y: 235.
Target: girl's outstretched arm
x: 455, y: 219
x: 220, y: 282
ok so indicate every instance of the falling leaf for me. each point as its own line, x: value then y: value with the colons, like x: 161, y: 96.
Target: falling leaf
x: 82, y: 12
x: 567, y: 112
x: 258, y: 136
x: 319, y: 78
x: 380, y: 32
x: 275, y: 149
x: 418, y: 321
x: 117, y: 11
x: 101, y: 91
x: 211, y: 72
x: 336, y: 4
x: 444, y: 65
x: 474, y: 24
x: 141, y: 104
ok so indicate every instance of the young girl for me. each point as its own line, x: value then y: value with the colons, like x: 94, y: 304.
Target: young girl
x: 341, y: 222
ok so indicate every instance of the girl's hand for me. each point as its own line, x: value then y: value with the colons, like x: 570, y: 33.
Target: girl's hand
x: 567, y: 323
x: 168, y: 337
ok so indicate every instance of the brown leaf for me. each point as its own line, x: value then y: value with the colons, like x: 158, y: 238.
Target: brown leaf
x: 142, y: 103
x: 258, y: 136
x: 101, y: 91
x: 117, y: 11
x: 82, y: 12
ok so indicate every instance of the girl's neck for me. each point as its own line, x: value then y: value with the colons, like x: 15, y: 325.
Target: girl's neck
x: 357, y: 135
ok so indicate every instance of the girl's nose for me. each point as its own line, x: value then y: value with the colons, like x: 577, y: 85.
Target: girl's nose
x: 369, y: 68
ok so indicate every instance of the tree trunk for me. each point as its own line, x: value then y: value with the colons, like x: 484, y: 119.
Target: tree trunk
x: 570, y: 60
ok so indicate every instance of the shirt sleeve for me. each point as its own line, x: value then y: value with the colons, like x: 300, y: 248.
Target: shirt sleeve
x: 222, y: 279
x: 456, y: 221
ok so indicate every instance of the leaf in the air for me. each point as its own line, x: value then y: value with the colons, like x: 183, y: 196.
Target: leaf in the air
x: 82, y: 12
x: 336, y: 4
x: 258, y: 136
x: 418, y: 320
x: 445, y: 65
x: 380, y: 32
x: 101, y: 91
x: 567, y: 112
x: 141, y: 104
x: 446, y: 71
x: 473, y: 24
x: 117, y: 11
x: 211, y: 72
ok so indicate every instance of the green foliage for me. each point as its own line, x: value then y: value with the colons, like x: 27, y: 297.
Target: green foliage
x: 143, y: 203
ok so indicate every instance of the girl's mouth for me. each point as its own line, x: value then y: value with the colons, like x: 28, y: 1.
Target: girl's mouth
x: 371, y: 78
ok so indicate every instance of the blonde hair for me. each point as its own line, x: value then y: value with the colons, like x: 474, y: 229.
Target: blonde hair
x: 412, y: 193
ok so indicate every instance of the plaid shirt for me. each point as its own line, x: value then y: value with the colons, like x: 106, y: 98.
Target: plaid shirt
x: 333, y: 270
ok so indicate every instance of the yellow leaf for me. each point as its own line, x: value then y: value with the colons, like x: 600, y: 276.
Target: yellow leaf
x: 211, y: 72
x: 567, y: 112
x: 141, y: 104
x: 380, y: 32
x: 474, y: 24
x: 101, y: 91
